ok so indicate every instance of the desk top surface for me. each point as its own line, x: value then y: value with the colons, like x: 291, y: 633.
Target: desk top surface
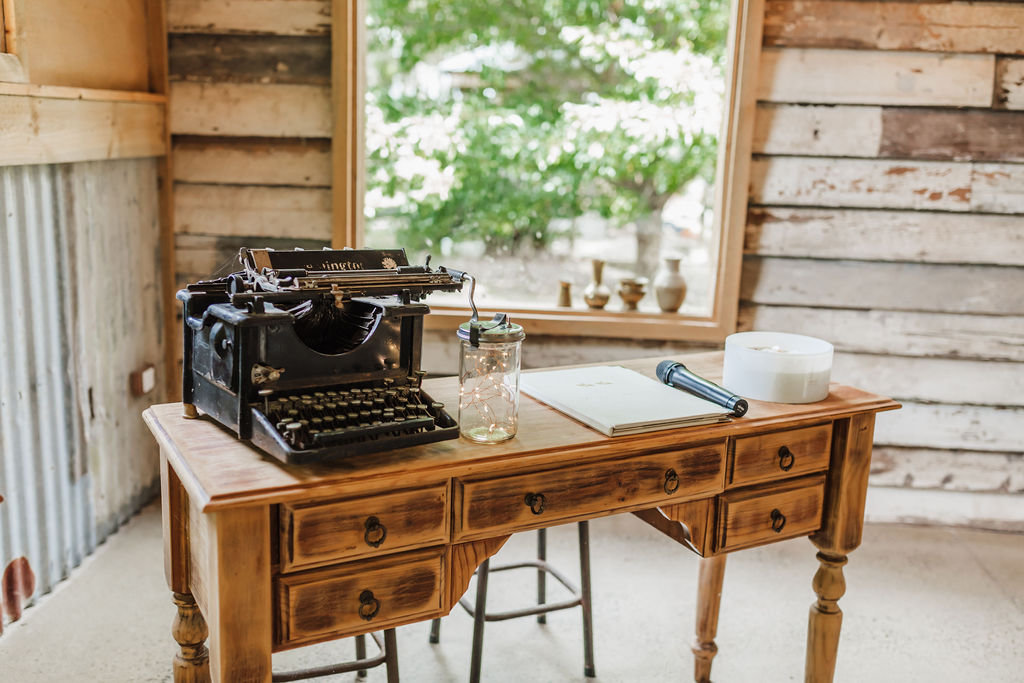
x: 219, y: 471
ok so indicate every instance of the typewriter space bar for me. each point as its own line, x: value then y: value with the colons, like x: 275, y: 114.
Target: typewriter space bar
x: 359, y: 433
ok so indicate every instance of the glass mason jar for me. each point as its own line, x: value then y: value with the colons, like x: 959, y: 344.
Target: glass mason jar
x: 489, y: 367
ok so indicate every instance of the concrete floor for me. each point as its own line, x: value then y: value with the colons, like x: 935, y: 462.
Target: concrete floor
x: 922, y: 604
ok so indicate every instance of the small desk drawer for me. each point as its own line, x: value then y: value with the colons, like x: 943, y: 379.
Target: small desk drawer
x: 788, y: 453
x: 357, y: 597
x: 539, y: 499
x: 322, y: 533
x: 747, y: 518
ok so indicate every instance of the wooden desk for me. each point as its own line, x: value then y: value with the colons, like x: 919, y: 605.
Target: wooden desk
x: 276, y: 557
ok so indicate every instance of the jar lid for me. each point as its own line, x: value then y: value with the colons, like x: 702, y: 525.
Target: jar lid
x: 499, y: 330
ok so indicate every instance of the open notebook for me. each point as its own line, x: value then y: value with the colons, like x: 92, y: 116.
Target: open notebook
x: 617, y: 401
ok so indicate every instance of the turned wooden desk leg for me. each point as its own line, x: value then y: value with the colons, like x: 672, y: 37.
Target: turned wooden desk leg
x: 840, y: 533
x: 192, y: 663
x: 709, y: 596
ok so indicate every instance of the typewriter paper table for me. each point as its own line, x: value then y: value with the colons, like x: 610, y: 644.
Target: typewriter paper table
x: 263, y: 557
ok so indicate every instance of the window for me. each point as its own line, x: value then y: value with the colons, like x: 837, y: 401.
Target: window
x: 521, y: 147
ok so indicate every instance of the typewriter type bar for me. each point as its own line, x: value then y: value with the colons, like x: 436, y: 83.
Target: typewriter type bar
x: 315, y: 355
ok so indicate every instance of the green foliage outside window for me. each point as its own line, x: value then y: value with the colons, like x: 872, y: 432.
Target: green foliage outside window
x: 492, y: 120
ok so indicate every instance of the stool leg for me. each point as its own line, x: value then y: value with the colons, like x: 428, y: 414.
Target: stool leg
x: 588, y: 626
x: 361, y: 654
x: 479, y: 612
x: 435, y: 631
x: 391, y: 655
x: 542, y: 554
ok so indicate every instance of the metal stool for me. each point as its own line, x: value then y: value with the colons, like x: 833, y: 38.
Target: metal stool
x: 580, y: 598
x: 388, y: 656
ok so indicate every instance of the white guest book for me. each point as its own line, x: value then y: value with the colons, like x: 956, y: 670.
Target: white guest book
x: 617, y: 401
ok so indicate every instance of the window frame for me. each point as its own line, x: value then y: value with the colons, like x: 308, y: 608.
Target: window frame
x: 732, y: 176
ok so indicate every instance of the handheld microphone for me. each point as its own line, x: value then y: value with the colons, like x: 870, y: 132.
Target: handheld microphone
x: 676, y: 375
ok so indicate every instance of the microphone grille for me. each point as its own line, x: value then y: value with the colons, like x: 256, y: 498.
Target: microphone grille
x: 664, y: 368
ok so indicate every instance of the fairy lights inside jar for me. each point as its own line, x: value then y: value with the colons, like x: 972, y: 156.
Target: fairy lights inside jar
x: 489, y: 366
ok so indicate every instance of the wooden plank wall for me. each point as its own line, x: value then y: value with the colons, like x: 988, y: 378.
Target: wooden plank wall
x: 250, y: 118
x: 886, y: 202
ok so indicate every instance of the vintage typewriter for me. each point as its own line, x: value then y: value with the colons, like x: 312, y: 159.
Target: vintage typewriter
x: 313, y: 355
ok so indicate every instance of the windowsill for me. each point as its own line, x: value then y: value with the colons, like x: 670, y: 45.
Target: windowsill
x: 591, y: 323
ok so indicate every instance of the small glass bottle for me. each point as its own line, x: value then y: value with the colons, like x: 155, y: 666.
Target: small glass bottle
x: 489, y: 367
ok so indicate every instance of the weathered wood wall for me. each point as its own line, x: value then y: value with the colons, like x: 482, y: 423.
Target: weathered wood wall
x: 886, y: 203
x: 251, y: 123
x: 886, y: 192
x: 250, y: 119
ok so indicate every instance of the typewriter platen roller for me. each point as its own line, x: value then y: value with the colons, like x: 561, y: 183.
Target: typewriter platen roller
x: 315, y: 355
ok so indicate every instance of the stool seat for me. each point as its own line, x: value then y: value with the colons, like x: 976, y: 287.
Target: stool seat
x: 580, y: 598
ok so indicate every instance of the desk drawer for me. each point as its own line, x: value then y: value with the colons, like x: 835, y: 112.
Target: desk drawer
x: 788, y: 453
x: 358, y: 597
x: 316, y: 534
x: 747, y: 518
x: 539, y: 499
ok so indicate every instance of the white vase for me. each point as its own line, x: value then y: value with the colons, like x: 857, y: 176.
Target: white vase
x: 669, y: 286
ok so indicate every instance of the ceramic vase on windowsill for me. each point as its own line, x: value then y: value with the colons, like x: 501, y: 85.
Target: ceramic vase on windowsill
x: 596, y: 295
x: 670, y: 286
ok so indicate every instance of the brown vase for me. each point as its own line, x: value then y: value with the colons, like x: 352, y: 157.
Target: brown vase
x: 631, y: 291
x: 596, y: 295
x: 669, y: 286
x: 564, y: 293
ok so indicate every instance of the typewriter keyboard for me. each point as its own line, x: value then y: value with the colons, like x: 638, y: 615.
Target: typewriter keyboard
x: 351, y: 414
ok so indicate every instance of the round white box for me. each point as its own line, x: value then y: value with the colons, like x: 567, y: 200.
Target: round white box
x: 777, y: 367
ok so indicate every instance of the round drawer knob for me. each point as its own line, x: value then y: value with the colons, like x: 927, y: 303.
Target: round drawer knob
x: 368, y: 605
x: 786, y: 459
x: 778, y: 520
x: 535, y: 501
x: 671, y: 481
x: 375, y: 532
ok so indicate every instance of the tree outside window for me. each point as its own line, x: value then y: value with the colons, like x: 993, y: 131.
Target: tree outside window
x: 523, y: 139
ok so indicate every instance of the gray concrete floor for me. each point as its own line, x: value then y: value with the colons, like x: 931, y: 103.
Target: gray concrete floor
x: 922, y: 604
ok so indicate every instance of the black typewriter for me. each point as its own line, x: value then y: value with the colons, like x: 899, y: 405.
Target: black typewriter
x: 313, y: 355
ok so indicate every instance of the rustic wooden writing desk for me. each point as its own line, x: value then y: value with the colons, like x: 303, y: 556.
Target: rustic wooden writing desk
x: 279, y: 556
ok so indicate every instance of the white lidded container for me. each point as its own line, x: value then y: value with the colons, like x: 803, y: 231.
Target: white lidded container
x: 777, y: 366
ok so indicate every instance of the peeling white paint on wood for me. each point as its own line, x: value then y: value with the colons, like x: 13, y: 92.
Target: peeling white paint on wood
x: 945, y: 335
x: 998, y: 188
x: 976, y: 428
x: 301, y: 213
x: 937, y: 380
x: 995, y: 27
x: 811, y: 130
x: 278, y: 17
x: 1010, y: 83
x: 890, y: 286
x: 867, y: 183
x: 997, y: 511
x: 817, y: 76
x: 248, y: 109
x: 871, y: 235
x: 923, y: 468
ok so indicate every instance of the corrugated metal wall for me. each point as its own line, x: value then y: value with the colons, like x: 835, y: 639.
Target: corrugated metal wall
x: 80, y: 310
